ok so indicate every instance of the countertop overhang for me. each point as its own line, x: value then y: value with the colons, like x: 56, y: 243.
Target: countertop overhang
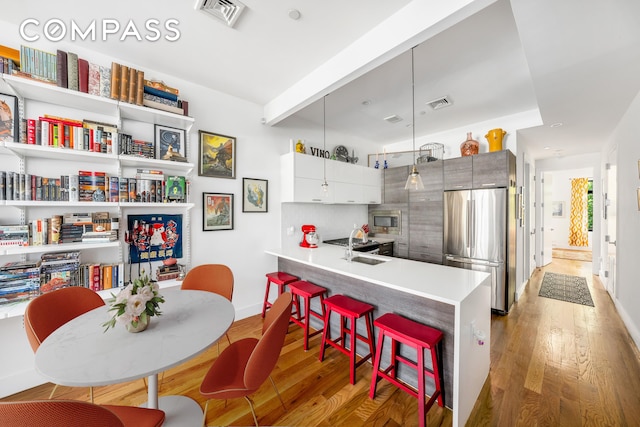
x: 449, y: 285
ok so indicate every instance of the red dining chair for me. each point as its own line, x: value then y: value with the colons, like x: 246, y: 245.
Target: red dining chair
x: 49, y: 311
x: 247, y: 363
x: 73, y: 413
x: 216, y: 278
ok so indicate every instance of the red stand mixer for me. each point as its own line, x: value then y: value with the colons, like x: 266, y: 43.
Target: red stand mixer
x: 309, y: 237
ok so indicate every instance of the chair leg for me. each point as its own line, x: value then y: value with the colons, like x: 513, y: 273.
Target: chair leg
x: 228, y: 339
x: 204, y: 416
x: 255, y: 419
x: 91, y: 393
x: 55, y: 387
x: 277, y: 392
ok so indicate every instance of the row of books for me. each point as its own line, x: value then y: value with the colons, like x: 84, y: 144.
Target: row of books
x: 63, y: 132
x: 68, y: 70
x: 7, y: 65
x: 98, y: 277
x: 93, y: 186
x: 28, y: 187
x: 19, y: 281
x: 136, y: 147
x: 59, y: 270
x: 38, y: 63
x: 79, y: 74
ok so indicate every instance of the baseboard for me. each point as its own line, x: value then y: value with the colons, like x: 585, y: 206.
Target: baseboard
x: 521, y: 289
x: 248, y: 311
x: 633, y: 330
x: 19, y: 382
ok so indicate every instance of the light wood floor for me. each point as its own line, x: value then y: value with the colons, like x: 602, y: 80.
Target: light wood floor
x: 553, y: 363
x: 574, y: 254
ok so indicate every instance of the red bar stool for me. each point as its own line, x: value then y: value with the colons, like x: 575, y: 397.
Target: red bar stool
x: 418, y: 336
x: 348, y: 309
x: 306, y: 290
x: 278, y: 278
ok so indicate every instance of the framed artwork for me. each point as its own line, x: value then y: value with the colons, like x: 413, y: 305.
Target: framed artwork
x: 254, y: 195
x: 557, y: 209
x: 170, y: 143
x: 217, y: 155
x: 9, y: 118
x: 154, y: 237
x: 217, y: 211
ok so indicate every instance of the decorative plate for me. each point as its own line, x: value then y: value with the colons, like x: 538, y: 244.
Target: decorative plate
x: 341, y: 153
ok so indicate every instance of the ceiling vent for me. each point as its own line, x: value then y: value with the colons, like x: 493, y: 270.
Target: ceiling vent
x: 393, y: 119
x: 228, y: 11
x: 438, y: 103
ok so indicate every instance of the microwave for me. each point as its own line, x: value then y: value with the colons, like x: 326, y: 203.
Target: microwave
x: 385, y: 222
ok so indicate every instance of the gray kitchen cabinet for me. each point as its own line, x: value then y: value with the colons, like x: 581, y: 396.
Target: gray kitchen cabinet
x: 492, y: 169
x: 425, y: 214
x: 394, y: 180
x: 458, y: 173
x: 386, y: 249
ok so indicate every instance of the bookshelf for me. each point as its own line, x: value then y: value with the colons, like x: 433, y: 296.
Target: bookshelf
x: 41, y: 98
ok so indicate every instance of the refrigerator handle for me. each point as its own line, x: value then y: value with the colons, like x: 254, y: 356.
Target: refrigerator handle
x: 472, y: 226
x: 468, y: 227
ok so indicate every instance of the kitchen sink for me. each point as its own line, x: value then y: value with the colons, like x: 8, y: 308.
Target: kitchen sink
x: 368, y: 260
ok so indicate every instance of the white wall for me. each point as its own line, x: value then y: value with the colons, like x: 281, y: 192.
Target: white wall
x: 627, y: 293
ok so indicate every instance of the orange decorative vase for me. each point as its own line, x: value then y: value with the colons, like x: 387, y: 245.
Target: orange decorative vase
x: 470, y: 146
x: 495, y: 136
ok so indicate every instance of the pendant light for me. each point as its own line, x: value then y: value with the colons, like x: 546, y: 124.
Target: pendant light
x: 325, y: 184
x: 414, y: 181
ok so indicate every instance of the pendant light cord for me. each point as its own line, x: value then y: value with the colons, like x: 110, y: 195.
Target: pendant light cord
x: 324, y: 138
x: 413, y: 108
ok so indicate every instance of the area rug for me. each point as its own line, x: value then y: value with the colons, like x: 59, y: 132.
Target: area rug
x: 564, y: 287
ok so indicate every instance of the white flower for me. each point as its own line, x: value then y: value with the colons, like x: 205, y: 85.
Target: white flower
x: 124, y: 318
x: 124, y: 295
x: 146, y: 293
x: 136, y: 304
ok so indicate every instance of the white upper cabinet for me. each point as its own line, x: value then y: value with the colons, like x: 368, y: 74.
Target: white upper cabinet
x: 302, y: 177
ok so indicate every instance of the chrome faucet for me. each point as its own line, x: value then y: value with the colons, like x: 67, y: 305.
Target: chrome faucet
x: 349, y: 254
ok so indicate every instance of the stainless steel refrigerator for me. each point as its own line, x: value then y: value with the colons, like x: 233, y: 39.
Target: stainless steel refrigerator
x: 477, y: 235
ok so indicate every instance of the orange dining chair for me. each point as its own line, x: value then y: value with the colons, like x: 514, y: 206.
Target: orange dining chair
x: 246, y: 364
x: 216, y: 278
x: 49, y: 311
x: 74, y: 413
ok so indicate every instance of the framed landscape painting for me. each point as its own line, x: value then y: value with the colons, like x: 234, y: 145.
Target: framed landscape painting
x: 9, y: 118
x: 217, y: 211
x: 217, y: 157
x: 170, y: 143
x: 254, y: 195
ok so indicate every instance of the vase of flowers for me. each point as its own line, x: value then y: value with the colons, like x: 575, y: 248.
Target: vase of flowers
x: 136, y: 304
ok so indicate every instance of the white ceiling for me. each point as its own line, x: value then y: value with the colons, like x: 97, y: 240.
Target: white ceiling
x: 577, y: 61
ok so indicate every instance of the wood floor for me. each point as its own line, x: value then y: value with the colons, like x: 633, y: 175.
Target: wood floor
x: 553, y: 363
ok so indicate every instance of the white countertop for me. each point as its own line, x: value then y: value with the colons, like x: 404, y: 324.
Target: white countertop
x: 437, y: 282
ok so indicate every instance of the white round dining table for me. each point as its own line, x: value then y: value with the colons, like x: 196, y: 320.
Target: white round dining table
x: 80, y: 352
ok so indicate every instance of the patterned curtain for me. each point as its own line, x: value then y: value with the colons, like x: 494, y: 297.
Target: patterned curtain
x: 579, y: 219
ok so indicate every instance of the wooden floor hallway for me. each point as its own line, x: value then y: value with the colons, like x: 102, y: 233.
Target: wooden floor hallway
x: 553, y: 363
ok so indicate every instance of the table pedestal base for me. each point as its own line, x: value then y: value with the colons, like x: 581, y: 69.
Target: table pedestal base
x: 180, y: 411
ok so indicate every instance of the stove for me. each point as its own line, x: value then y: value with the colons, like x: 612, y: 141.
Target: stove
x: 358, y: 245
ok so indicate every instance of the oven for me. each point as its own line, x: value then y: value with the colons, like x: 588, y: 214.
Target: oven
x: 385, y: 221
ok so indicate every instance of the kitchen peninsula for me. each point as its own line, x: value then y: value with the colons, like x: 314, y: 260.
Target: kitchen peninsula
x: 455, y: 301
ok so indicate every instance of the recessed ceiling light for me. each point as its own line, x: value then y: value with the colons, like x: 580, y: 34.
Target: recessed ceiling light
x: 547, y: 148
x: 366, y: 102
x: 556, y: 125
x: 294, y: 14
